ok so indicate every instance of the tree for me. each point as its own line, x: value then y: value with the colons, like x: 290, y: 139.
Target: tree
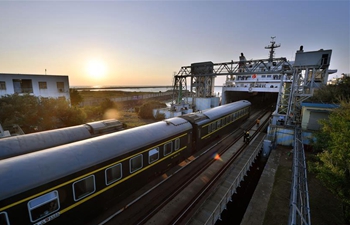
x: 333, y: 164
x: 75, y: 97
x: 106, y: 104
x: 333, y: 93
x: 19, y: 110
x: 57, y: 113
x: 34, y: 114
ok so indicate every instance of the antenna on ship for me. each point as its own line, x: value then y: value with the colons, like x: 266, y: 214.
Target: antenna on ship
x: 272, y: 47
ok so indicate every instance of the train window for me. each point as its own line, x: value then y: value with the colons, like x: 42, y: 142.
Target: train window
x: 213, y: 128
x: 153, y: 155
x: 209, y: 128
x: 43, y: 206
x: 177, y: 144
x: 168, y: 148
x: 84, y: 187
x: 136, y: 163
x: 114, y: 173
x: 4, y: 220
x: 218, y: 124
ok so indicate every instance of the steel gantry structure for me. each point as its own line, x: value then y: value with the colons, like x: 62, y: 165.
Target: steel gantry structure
x: 310, y: 73
x: 298, y: 81
x: 202, y: 75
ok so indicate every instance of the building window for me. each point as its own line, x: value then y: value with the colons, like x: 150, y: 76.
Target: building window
x: 168, y: 148
x: 4, y: 220
x: 60, y: 86
x: 84, y: 187
x: 42, y: 85
x: 43, y: 206
x: 136, y: 163
x: 113, y: 174
x: 153, y: 155
x: 2, y: 85
x: 22, y: 86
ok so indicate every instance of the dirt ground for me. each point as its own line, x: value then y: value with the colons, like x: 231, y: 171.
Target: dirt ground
x: 123, y: 111
x: 325, y: 207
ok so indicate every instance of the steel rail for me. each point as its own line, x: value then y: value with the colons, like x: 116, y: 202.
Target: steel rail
x: 216, y: 177
x: 154, y: 210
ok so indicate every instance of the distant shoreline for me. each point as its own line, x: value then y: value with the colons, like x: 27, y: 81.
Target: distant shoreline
x: 121, y: 87
x: 117, y: 87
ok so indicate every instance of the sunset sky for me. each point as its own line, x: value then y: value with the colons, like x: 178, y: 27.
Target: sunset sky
x: 146, y: 42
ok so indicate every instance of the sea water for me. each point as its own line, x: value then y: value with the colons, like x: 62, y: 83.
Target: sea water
x: 217, y: 89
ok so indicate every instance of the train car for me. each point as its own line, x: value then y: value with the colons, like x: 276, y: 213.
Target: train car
x: 72, y: 183
x: 104, y: 126
x: 23, y: 144
x: 211, y: 123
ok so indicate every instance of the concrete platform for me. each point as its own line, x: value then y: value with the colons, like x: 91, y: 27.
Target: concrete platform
x: 257, y: 207
x: 229, y: 182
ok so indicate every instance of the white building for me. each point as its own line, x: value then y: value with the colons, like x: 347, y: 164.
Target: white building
x: 47, y: 86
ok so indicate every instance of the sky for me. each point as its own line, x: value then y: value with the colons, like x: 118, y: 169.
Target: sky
x: 131, y: 43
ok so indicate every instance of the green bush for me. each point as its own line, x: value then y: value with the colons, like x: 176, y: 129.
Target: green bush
x: 34, y: 114
x: 146, y: 110
x: 160, y: 116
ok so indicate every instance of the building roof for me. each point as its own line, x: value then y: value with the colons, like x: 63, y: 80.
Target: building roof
x: 319, y: 105
x: 27, y: 74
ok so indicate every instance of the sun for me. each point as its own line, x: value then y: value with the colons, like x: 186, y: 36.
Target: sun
x: 96, y: 69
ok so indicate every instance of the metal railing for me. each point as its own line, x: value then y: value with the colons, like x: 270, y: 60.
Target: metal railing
x: 215, y: 215
x: 299, y: 201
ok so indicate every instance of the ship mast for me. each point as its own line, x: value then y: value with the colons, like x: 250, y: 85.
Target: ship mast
x: 272, y: 47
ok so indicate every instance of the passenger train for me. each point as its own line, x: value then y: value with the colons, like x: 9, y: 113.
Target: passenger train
x: 72, y: 183
x: 23, y: 144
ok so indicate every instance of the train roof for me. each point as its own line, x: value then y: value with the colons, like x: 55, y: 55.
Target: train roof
x: 22, y: 144
x: 222, y: 110
x: 25, y: 172
x: 216, y: 112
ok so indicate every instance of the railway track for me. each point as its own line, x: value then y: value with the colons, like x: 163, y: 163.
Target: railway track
x: 146, y: 204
